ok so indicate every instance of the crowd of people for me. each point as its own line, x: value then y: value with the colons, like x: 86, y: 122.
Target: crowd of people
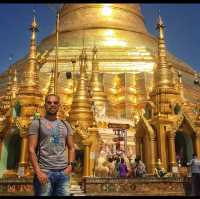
x: 118, y: 165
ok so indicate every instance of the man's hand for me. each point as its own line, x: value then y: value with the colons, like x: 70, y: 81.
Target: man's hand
x: 68, y: 170
x: 42, y: 177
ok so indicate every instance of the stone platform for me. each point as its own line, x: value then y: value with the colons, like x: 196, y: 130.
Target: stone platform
x: 16, y: 187
x: 148, y: 186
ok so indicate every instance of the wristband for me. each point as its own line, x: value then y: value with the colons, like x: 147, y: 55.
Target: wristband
x: 70, y: 164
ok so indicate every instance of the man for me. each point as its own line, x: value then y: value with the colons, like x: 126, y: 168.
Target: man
x: 50, y: 137
x: 195, y: 169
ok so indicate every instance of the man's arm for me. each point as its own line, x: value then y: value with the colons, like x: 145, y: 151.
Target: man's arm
x: 71, y: 148
x: 33, y: 141
x: 71, y: 152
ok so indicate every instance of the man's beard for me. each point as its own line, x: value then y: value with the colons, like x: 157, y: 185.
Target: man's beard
x: 50, y: 113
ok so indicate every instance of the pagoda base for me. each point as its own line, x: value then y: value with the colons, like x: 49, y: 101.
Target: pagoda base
x: 148, y: 186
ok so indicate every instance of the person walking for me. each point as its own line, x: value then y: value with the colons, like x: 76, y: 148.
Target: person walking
x: 195, y: 169
x: 48, y: 139
x: 117, y: 163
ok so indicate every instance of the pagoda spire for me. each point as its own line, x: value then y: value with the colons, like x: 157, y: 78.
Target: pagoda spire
x: 97, y: 89
x: 30, y: 82
x: 51, y: 89
x: 164, y: 75
x: 164, y: 89
x: 81, y: 109
x: 29, y: 96
x: 33, y: 28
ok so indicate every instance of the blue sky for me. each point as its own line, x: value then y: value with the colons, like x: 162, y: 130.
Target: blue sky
x: 182, y: 29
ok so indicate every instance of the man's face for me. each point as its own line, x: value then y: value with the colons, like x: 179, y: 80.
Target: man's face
x: 52, y: 105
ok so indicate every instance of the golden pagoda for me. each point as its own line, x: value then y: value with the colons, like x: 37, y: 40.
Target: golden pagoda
x: 125, y: 75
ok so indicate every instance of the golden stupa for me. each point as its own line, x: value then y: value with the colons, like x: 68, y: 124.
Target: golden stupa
x: 113, y: 61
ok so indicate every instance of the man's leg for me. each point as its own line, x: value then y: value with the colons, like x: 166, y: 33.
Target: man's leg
x: 41, y: 190
x: 194, y: 184
x: 62, y: 184
x: 197, y: 184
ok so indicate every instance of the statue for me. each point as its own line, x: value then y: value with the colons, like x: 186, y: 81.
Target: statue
x: 102, y: 168
x: 160, y: 172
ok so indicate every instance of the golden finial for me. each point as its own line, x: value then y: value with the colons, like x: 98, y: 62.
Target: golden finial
x: 33, y: 28
x: 34, y: 25
x: 160, y: 27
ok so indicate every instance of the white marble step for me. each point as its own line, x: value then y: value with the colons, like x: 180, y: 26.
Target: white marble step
x: 76, y: 190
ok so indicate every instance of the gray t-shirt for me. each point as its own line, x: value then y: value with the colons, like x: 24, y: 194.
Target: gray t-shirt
x: 195, y: 165
x: 52, y: 142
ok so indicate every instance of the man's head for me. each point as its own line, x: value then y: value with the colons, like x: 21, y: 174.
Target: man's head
x: 52, y: 104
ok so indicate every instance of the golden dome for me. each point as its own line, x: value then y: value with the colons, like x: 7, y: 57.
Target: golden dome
x: 102, y: 24
x: 107, y: 26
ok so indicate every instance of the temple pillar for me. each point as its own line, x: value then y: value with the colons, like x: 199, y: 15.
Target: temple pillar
x: 93, y: 147
x: 153, y: 154
x: 23, y: 152
x: 86, y: 161
x: 23, y: 169
x: 162, y: 147
x: 138, y: 144
x: 172, y: 152
x: 91, y: 166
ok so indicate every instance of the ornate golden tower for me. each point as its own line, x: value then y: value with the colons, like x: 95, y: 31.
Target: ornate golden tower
x: 29, y: 95
x: 97, y: 88
x: 81, y: 108
x: 164, y: 89
x: 163, y: 95
x: 82, y: 118
x: 165, y: 119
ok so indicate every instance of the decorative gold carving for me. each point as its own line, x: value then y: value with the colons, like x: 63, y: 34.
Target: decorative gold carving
x: 146, y: 187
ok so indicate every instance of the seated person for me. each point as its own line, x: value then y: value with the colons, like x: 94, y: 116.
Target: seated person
x: 139, y: 168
